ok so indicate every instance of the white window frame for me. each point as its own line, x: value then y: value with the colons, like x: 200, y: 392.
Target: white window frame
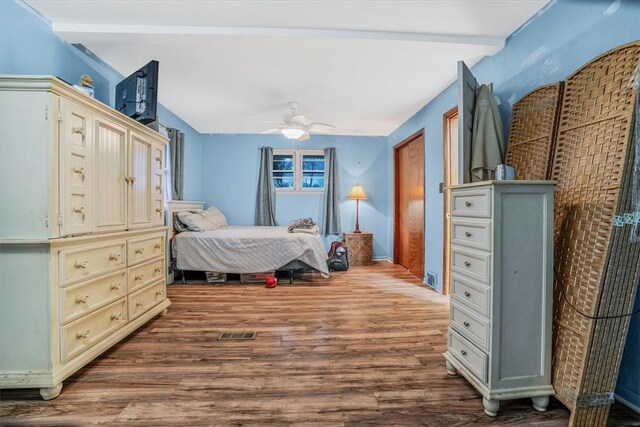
x: 297, y: 171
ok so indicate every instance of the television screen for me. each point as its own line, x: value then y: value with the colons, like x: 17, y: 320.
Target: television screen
x: 137, y: 95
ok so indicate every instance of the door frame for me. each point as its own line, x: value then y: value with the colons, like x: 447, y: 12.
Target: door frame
x: 446, y: 162
x: 398, y: 146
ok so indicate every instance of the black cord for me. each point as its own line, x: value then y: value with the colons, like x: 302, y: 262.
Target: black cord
x: 564, y: 295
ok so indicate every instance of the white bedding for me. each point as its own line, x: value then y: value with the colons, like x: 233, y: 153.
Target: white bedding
x: 248, y: 250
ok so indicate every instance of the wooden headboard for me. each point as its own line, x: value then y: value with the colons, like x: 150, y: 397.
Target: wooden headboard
x: 174, y: 206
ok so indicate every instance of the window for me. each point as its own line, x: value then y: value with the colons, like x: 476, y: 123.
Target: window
x: 298, y: 171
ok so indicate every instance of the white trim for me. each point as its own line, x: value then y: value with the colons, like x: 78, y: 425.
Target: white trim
x: 628, y: 404
x: 476, y: 40
x: 297, y: 155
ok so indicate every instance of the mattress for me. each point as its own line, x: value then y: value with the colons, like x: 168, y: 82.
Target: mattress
x: 248, y: 250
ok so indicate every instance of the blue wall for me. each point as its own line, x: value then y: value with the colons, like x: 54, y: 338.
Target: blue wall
x: 28, y: 46
x: 549, y: 47
x: 230, y: 168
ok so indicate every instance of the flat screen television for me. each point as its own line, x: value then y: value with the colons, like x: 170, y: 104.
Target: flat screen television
x: 137, y: 95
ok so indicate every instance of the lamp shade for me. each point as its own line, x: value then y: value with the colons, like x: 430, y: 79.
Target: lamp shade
x: 292, y: 133
x: 357, y: 193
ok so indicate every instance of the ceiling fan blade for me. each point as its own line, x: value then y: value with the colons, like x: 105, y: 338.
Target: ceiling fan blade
x: 303, y: 137
x: 321, y: 128
x: 300, y: 119
x: 266, y: 132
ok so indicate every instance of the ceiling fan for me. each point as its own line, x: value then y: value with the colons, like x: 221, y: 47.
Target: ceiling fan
x: 298, y: 127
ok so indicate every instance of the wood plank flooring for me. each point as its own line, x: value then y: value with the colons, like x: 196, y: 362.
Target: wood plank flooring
x: 360, y: 349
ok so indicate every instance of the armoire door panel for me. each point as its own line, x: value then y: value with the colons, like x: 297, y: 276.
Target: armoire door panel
x: 76, y: 145
x: 110, y: 176
x: 140, y: 161
x: 157, y: 189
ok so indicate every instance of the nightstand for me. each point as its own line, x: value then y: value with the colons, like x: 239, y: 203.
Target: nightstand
x: 359, y: 248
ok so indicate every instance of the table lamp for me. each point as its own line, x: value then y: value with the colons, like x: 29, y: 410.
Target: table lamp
x: 357, y: 193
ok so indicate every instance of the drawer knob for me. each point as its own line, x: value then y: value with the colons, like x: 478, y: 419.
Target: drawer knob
x: 157, y: 246
x: 139, y: 250
x: 158, y: 210
x: 466, y: 324
x: 159, y: 188
x: 114, y: 257
x: 467, y: 294
x: 139, y: 276
x: 83, y: 334
x: 467, y: 264
x: 82, y: 300
x: 79, y: 130
x: 160, y: 293
x: 81, y: 264
x: 468, y: 204
x: 79, y: 171
x: 79, y: 210
x: 115, y: 286
x: 467, y: 234
x: 464, y: 353
x: 140, y: 303
x: 157, y: 270
x: 116, y: 316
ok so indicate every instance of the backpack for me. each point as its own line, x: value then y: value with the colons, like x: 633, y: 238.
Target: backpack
x: 338, y: 260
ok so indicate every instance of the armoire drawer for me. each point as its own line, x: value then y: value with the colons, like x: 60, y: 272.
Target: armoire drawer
x: 474, y: 359
x: 472, y: 263
x: 144, y: 274
x: 474, y: 233
x: 472, y: 327
x: 78, y: 336
x: 91, y: 261
x: 472, y: 202
x: 144, y: 299
x: 471, y: 294
x: 144, y: 248
x: 83, y: 298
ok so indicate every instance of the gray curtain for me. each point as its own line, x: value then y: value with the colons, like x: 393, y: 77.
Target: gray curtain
x: 331, y: 206
x: 176, y: 162
x: 266, y: 197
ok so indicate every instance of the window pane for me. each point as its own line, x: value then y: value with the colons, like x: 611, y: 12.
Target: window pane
x: 313, y: 180
x: 313, y: 162
x: 283, y: 162
x: 283, y: 179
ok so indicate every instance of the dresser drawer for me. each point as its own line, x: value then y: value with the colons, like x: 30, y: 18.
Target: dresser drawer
x: 144, y: 248
x: 90, y: 261
x: 475, y: 328
x: 146, y: 298
x: 474, y: 233
x: 144, y: 274
x: 472, y: 263
x: 78, y: 336
x: 471, y: 294
x: 472, y: 202
x: 469, y: 355
x: 81, y: 299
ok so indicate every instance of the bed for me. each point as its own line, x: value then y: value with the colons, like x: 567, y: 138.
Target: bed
x: 244, y: 249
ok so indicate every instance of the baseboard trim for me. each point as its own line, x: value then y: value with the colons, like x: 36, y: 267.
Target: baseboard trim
x: 625, y: 402
x: 382, y: 259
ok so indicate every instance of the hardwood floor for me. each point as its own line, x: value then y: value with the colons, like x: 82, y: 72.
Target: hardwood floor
x: 360, y: 349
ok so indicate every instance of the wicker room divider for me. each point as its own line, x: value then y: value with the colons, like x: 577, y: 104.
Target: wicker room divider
x: 595, y: 261
x: 532, y: 133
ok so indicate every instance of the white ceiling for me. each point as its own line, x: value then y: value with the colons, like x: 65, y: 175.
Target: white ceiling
x: 228, y: 66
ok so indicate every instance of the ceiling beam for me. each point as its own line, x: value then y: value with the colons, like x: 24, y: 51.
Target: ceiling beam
x: 495, y: 42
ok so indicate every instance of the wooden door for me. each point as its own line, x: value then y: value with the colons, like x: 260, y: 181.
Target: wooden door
x: 450, y: 177
x: 408, y: 249
x: 140, y: 173
x: 76, y: 164
x: 110, y: 172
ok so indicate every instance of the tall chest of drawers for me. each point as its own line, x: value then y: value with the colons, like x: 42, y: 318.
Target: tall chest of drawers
x: 82, y: 236
x: 501, y: 268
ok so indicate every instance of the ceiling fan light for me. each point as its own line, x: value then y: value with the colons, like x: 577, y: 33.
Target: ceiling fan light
x: 292, y: 133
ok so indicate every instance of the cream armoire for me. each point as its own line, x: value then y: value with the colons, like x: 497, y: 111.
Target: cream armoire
x: 82, y: 235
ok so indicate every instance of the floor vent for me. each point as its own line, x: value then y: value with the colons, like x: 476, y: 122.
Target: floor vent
x: 432, y: 279
x: 238, y: 336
